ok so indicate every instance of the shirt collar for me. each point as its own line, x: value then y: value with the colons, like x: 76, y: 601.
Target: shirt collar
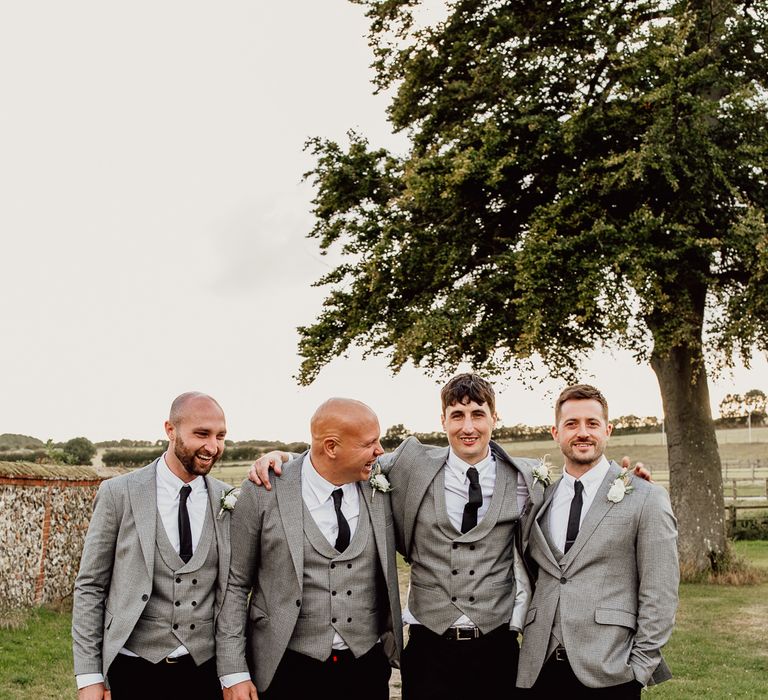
x: 167, y: 480
x: 320, y: 487
x: 592, y: 479
x: 459, y: 466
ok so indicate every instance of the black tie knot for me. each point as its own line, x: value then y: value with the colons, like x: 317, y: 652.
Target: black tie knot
x: 578, y: 488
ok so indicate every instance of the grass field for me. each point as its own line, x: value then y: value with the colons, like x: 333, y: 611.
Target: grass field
x: 718, y: 649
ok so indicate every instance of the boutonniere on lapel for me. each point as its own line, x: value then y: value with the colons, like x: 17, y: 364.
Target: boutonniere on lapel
x: 621, y: 487
x: 378, y: 481
x: 228, y: 500
x: 541, y: 472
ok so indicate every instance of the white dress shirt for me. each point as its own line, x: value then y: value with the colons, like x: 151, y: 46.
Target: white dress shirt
x: 316, y: 493
x: 457, y: 496
x: 560, y: 507
x: 168, y: 488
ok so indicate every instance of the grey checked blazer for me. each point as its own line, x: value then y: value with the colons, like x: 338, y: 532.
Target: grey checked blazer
x: 115, y: 578
x: 616, y: 588
x: 268, y: 564
x: 412, y: 467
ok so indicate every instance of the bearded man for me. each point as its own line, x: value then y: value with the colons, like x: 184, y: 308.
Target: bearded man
x: 154, y: 569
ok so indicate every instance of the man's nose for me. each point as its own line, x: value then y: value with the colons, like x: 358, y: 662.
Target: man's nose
x: 378, y: 450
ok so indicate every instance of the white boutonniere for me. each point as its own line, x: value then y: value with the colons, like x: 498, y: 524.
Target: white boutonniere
x: 621, y: 487
x: 378, y: 481
x: 228, y: 500
x: 541, y: 472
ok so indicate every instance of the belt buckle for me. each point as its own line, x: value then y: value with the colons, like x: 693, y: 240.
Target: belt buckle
x: 560, y: 654
x: 171, y: 660
x: 464, y: 634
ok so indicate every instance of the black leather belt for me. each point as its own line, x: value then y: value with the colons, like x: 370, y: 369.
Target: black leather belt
x: 462, y: 634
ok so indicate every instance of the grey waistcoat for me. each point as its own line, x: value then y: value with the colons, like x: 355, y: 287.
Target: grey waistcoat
x: 471, y: 574
x: 340, y: 592
x: 181, y: 607
x: 556, y: 636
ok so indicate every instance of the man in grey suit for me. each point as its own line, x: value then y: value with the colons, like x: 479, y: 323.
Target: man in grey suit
x: 605, y: 545
x: 460, y: 517
x: 312, y: 606
x: 154, y: 569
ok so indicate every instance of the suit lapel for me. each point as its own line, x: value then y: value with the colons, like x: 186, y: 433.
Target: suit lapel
x: 422, y: 476
x: 375, y: 507
x: 221, y: 531
x: 600, y: 506
x: 536, y: 531
x: 142, y: 493
x: 291, y: 506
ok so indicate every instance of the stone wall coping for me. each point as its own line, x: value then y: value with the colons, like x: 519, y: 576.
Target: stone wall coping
x: 49, y: 472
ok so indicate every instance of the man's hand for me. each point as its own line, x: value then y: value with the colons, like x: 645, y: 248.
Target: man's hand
x: 97, y: 691
x: 241, y: 691
x: 639, y: 469
x: 259, y: 472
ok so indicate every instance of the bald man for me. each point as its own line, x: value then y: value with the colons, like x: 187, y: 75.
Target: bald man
x: 154, y: 569
x: 312, y: 606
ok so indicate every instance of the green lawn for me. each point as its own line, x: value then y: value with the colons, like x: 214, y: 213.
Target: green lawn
x: 718, y: 649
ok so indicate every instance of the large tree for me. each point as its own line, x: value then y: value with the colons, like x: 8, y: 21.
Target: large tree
x: 579, y: 174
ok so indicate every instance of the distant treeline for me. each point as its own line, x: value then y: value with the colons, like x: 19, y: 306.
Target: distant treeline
x: 244, y: 451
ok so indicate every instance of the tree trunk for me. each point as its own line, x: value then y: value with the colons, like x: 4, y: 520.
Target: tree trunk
x: 695, y: 476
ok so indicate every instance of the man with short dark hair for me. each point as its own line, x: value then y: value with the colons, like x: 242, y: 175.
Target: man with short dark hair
x: 154, y: 569
x: 605, y: 547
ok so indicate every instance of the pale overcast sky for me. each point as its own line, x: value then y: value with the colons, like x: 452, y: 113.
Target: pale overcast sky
x: 154, y: 220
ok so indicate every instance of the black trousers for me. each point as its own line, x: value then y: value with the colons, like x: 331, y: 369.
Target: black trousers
x: 340, y: 677
x: 557, y: 678
x: 132, y: 678
x: 435, y: 668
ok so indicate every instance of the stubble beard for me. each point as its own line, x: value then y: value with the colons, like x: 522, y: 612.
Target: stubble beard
x: 187, y: 459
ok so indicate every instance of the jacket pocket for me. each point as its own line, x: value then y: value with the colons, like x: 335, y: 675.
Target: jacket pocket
x: 609, y: 616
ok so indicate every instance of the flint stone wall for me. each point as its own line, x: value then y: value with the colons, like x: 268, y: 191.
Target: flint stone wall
x: 44, y: 515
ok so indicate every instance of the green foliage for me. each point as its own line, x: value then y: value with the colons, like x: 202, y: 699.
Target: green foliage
x: 12, y: 441
x: 132, y: 443
x: 749, y: 528
x: 579, y: 173
x: 25, y: 456
x: 78, y: 450
x: 131, y: 457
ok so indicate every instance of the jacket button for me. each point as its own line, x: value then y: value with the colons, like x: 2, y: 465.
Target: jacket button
x: 349, y: 619
x: 455, y: 546
x: 192, y: 626
x: 563, y: 580
x: 333, y: 592
x: 194, y: 581
x: 349, y: 566
x: 349, y: 592
x: 177, y: 603
x: 333, y: 619
x: 298, y: 603
x: 455, y: 571
x: 194, y: 602
x: 333, y: 566
x: 145, y: 597
x: 471, y: 572
x: 472, y: 547
x: 178, y: 579
x: 471, y: 599
x: 453, y: 598
x: 175, y: 626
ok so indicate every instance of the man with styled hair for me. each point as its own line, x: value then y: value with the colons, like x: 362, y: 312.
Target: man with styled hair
x: 459, y: 520
x: 605, y: 548
x: 154, y: 568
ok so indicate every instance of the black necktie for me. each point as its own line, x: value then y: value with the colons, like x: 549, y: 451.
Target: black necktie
x: 185, y: 531
x: 475, y: 501
x: 574, y: 516
x: 342, y: 540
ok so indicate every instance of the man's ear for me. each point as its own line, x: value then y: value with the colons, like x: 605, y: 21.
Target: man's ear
x: 329, y: 447
x: 553, y: 432
x: 170, y: 430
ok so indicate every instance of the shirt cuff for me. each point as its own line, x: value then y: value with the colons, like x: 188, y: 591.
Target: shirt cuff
x: 233, y: 679
x: 86, y: 679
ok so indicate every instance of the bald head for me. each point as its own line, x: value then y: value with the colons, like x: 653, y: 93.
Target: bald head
x: 187, y: 402
x: 345, y: 440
